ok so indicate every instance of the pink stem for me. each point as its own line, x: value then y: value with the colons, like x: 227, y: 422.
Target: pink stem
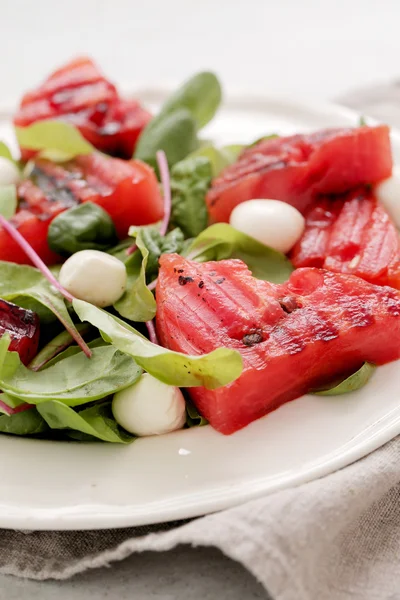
x: 13, y: 411
x: 152, y: 332
x: 166, y: 183
x: 37, y: 261
x: 152, y: 286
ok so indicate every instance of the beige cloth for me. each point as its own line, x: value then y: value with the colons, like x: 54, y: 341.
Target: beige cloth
x: 336, y: 538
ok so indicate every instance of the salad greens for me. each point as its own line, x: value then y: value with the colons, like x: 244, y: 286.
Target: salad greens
x: 30, y: 289
x: 8, y: 200
x: 175, y: 128
x: 28, y: 422
x: 138, y: 302
x: 190, y: 180
x: 213, y: 370
x: 218, y: 157
x: 86, y: 226
x: 57, y: 140
x: 352, y: 383
x: 5, y: 151
x: 74, y: 380
x: 96, y: 421
x: 221, y: 241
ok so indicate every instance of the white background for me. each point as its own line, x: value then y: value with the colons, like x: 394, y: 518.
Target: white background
x: 307, y: 48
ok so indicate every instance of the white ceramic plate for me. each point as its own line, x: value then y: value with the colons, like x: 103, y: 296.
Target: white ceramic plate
x: 52, y: 485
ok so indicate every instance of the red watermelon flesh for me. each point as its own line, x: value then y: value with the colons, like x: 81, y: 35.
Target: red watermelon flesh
x: 298, y: 168
x: 353, y: 235
x: 293, y: 337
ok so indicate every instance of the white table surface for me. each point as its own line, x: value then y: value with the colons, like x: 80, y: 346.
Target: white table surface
x: 300, y: 48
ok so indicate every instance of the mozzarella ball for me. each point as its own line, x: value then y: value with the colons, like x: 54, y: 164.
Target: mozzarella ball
x: 388, y: 194
x: 94, y: 276
x: 9, y: 173
x: 271, y: 222
x: 149, y: 407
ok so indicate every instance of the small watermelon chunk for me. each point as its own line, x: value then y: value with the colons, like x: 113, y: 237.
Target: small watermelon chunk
x: 352, y: 235
x: 293, y: 337
x: 296, y: 169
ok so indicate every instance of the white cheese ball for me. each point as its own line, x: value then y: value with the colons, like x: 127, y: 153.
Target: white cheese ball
x: 94, y: 276
x: 149, y: 407
x: 9, y: 173
x: 388, y: 194
x: 271, y: 222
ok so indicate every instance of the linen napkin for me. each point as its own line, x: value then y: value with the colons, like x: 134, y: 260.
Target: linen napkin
x: 335, y: 538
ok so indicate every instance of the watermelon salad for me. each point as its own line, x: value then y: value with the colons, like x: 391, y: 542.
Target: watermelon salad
x: 152, y: 281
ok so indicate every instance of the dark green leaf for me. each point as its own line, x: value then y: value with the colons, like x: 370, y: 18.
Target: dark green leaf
x: 75, y: 380
x: 96, y: 421
x: 57, y: 345
x: 193, y: 417
x: 201, y: 95
x: 175, y: 133
x: 213, y: 370
x: 84, y: 227
x: 190, y: 180
x: 27, y: 422
x: 222, y: 241
x: 350, y: 384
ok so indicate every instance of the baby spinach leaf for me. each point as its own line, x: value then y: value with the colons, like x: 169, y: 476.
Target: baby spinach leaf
x: 137, y: 303
x: 219, y: 157
x: 190, y: 180
x: 201, y: 95
x: 222, y: 241
x: 57, y: 345
x: 193, y: 417
x: 84, y: 227
x: 213, y: 370
x: 354, y: 382
x: 27, y: 287
x: 57, y: 140
x: 27, y: 422
x: 8, y: 200
x: 157, y: 244
x: 175, y: 133
x: 96, y: 421
x: 75, y: 380
x: 5, y: 151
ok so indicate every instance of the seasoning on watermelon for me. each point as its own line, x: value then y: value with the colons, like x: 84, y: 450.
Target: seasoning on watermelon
x: 127, y: 190
x: 79, y: 93
x: 293, y: 337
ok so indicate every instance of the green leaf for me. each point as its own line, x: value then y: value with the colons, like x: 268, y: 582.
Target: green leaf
x: 201, y: 95
x: 8, y: 200
x: 27, y: 283
x: 27, y: 422
x: 190, y: 180
x: 138, y: 302
x: 5, y: 152
x: 219, y: 157
x: 157, y: 245
x: 362, y: 121
x: 84, y: 227
x: 352, y: 383
x: 58, y: 344
x: 176, y: 134
x: 222, y: 241
x: 213, y: 370
x: 96, y: 421
x: 75, y: 380
x: 57, y: 140
x: 193, y: 417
